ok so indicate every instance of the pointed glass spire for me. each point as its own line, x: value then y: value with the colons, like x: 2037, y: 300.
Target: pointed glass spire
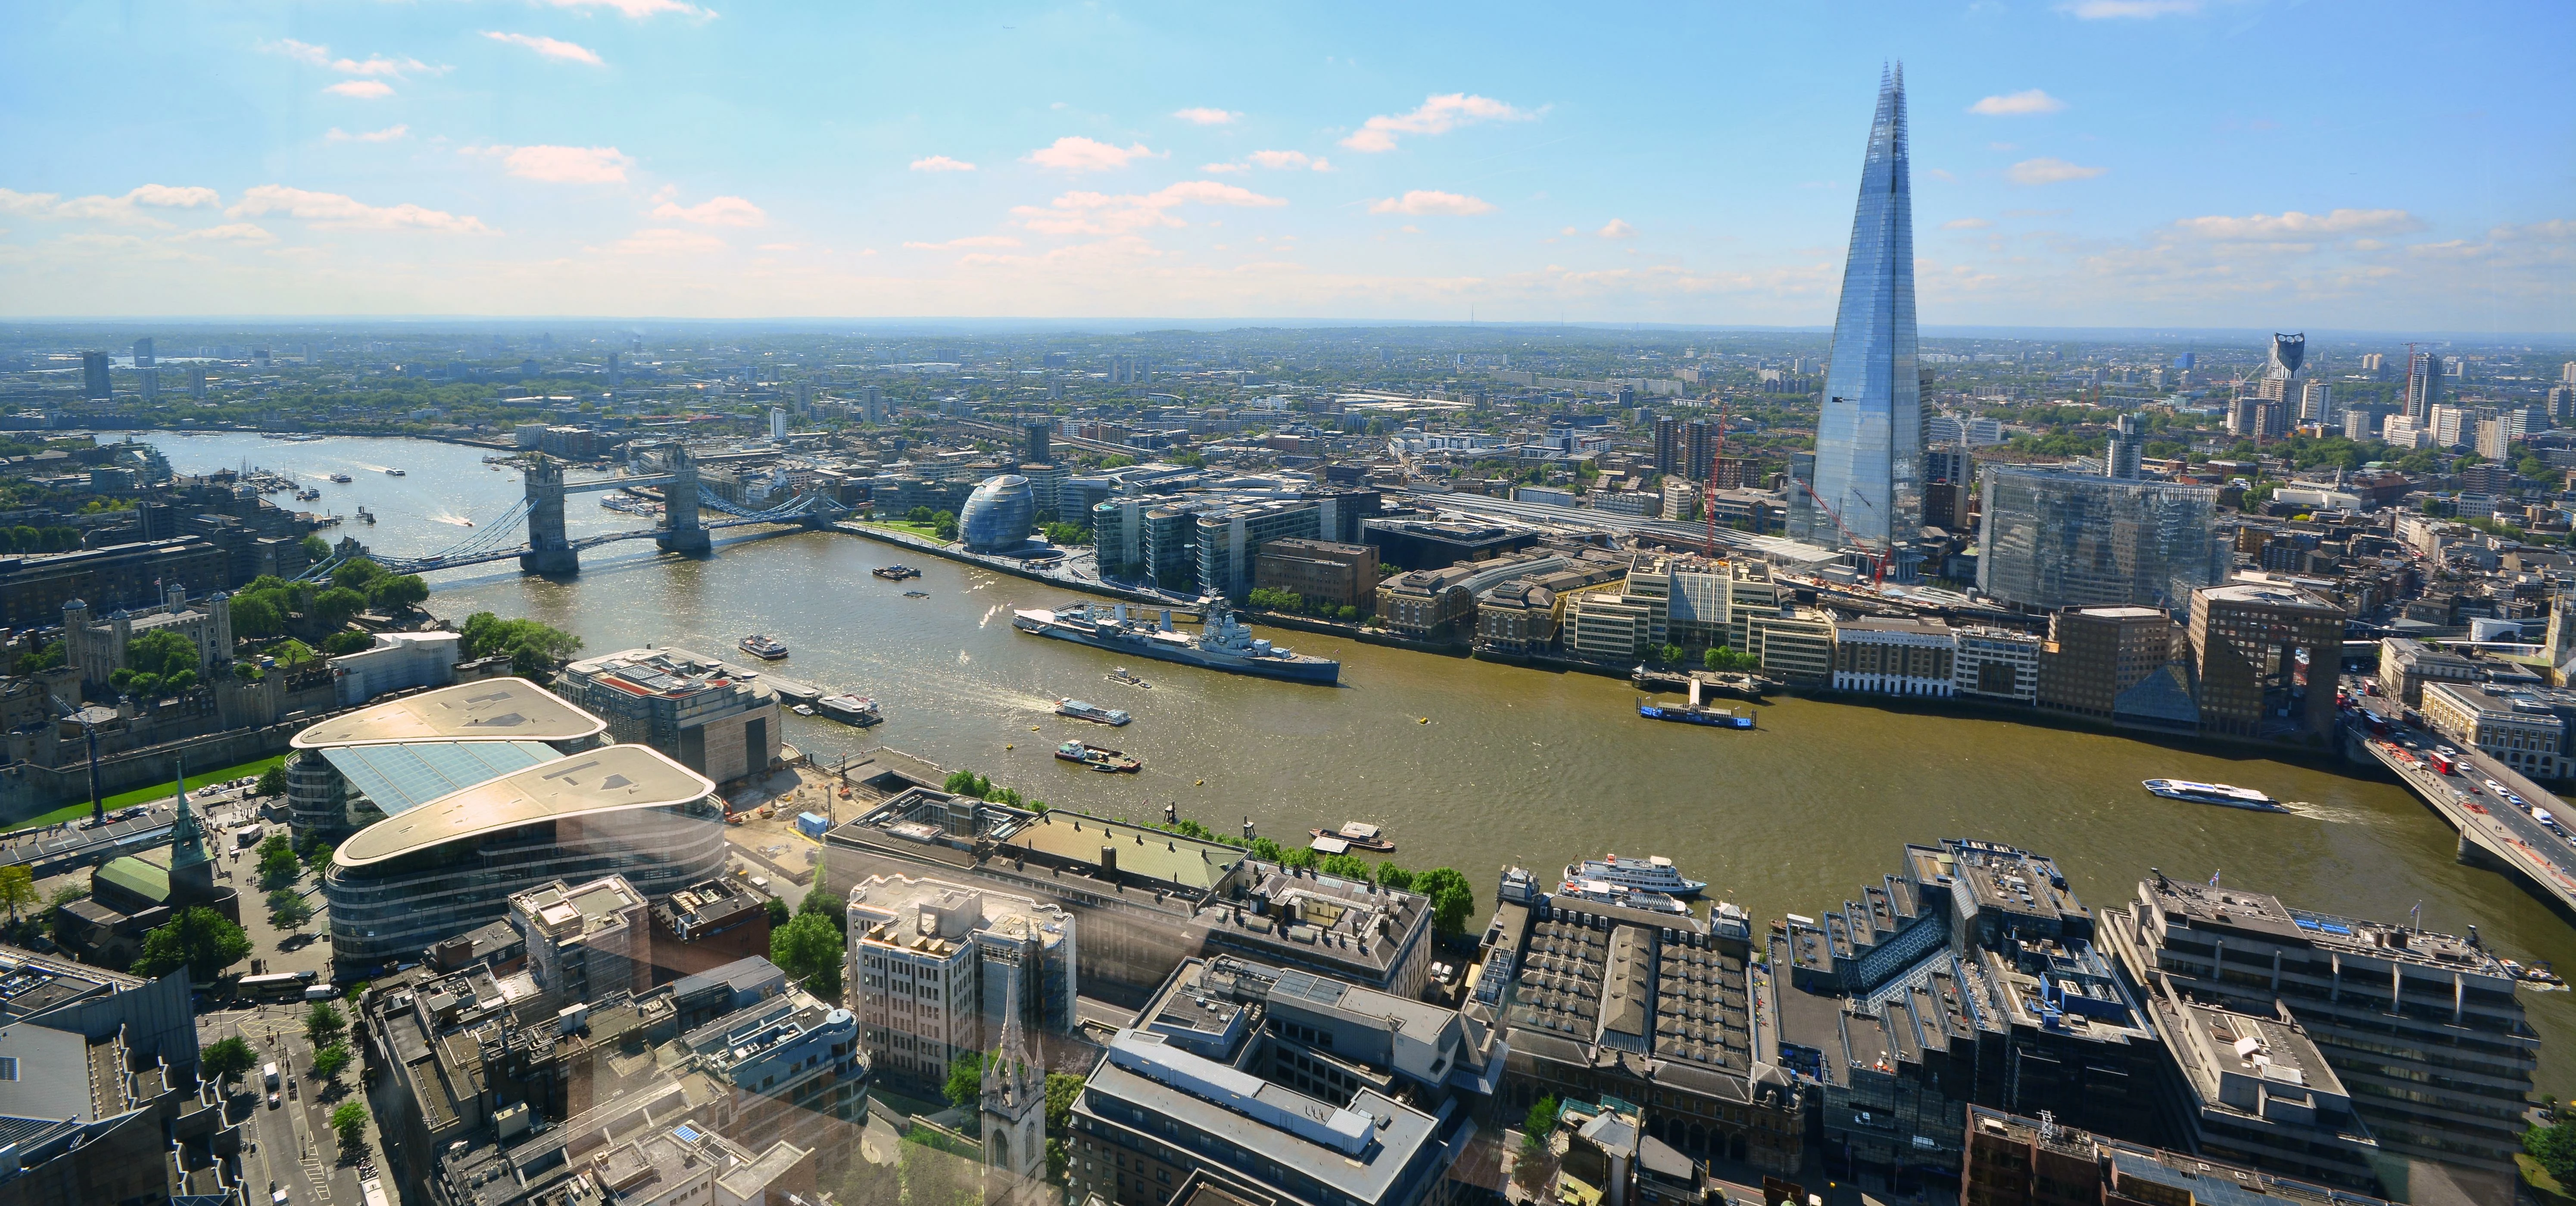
x: 1869, y: 434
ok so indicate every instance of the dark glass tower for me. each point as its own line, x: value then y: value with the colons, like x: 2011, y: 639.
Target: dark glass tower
x: 1869, y: 439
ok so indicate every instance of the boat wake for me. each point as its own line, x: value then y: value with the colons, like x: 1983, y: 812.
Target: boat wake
x: 989, y: 613
x: 2332, y: 814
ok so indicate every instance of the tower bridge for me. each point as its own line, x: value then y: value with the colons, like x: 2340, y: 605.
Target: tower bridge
x: 548, y: 549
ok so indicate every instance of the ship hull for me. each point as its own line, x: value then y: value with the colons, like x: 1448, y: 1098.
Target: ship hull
x: 1327, y: 673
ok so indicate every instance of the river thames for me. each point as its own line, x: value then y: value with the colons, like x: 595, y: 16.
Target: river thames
x: 1465, y: 763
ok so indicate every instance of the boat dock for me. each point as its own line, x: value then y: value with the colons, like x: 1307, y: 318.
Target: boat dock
x: 1739, y: 686
x: 790, y: 689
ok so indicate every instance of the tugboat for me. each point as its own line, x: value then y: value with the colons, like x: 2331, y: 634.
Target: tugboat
x: 850, y: 709
x: 366, y: 515
x: 895, y: 573
x: 1094, y: 713
x: 1358, y: 835
x: 762, y: 647
x: 1098, y: 758
x: 2214, y: 793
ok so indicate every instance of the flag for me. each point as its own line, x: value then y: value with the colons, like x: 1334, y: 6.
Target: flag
x: 2213, y: 879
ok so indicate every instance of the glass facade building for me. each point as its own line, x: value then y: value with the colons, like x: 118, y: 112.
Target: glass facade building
x: 998, y: 515
x: 2053, y: 539
x: 1869, y: 432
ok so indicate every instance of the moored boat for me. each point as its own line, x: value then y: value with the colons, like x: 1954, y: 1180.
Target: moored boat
x: 895, y: 573
x: 1358, y: 835
x: 1716, y: 718
x: 1097, y: 758
x: 850, y: 709
x: 763, y: 647
x: 1610, y: 893
x: 1654, y: 873
x: 2221, y: 794
x: 1092, y: 712
x: 1224, y: 645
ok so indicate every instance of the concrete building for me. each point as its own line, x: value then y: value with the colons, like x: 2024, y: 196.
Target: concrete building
x: 102, y: 1109
x: 2018, y: 1161
x: 2096, y: 655
x: 1996, y: 663
x: 1895, y: 657
x: 700, y: 711
x: 793, y: 1070
x: 2423, y: 1028
x: 399, y: 661
x: 585, y: 940
x: 2258, y: 1092
x: 708, y: 925
x: 1792, y: 643
x: 1612, y: 626
x: 394, y: 887
x: 935, y: 965
x: 2407, y: 665
x: 97, y: 648
x: 359, y: 767
x: 1230, y: 538
x: 2247, y: 641
x: 1345, y: 574
x: 2525, y: 734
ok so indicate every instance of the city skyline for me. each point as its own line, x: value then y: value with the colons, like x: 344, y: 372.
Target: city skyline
x: 2085, y: 165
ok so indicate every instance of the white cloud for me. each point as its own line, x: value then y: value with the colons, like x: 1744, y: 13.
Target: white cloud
x: 1437, y: 115
x: 968, y: 241
x: 320, y: 56
x: 1207, y: 117
x: 2018, y: 104
x: 124, y: 210
x: 1074, y: 153
x: 1429, y: 201
x: 1108, y: 214
x: 335, y: 210
x: 2099, y: 10
x: 637, y: 9
x: 388, y: 134
x: 2291, y: 224
x: 2555, y: 230
x: 1618, y: 228
x: 34, y: 205
x: 562, y: 165
x: 716, y: 211
x: 667, y: 241
x: 2045, y: 170
x: 1223, y: 167
x: 1966, y: 224
x: 1288, y: 160
x: 553, y: 48
x: 941, y: 163
x: 229, y: 232
x: 361, y: 89
x: 174, y: 197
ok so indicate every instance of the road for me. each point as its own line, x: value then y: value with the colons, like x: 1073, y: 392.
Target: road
x: 292, y: 1146
x: 2511, y: 836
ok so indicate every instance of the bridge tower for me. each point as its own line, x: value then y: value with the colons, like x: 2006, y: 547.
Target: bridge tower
x: 549, y: 552
x: 681, y: 531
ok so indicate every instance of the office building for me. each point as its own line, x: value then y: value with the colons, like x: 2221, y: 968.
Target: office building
x: 2422, y: 1028
x: 792, y: 1071
x: 1793, y: 643
x: 1996, y: 663
x: 2251, y: 647
x: 2316, y: 403
x: 1867, y: 436
x: 1612, y: 626
x: 999, y: 515
x: 1413, y: 544
x: 587, y: 940
x: 2051, y: 539
x: 357, y: 768
x: 1229, y: 538
x: 394, y: 887
x: 2523, y: 733
x: 95, y: 382
x: 2423, y: 385
x: 2019, y: 1161
x: 2095, y: 657
x: 1895, y: 657
x: 143, y: 352
x: 934, y: 966
x: 2128, y: 445
x: 706, y: 926
x: 698, y: 710
x: 2452, y: 426
x: 1345, y: 574
x: 2256, y: 1091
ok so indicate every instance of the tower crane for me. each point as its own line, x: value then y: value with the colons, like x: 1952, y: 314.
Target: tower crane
x: 1717, y: 453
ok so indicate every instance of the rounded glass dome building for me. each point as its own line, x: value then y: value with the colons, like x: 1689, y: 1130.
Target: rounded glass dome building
x: 998, y: 515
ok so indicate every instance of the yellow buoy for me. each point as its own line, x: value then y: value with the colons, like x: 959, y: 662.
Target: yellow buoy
x: 1033, y: 728
x: 1007, y: 745
x: 1200, y: 783
x: 1424, y: 720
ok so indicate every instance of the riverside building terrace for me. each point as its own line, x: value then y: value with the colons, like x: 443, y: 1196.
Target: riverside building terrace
x: 2423, y: 1027
x: 1145, y: 899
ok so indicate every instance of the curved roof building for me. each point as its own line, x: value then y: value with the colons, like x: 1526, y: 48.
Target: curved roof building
x: 450, y: 864
x: 355, y: 768
x: 998, y: 515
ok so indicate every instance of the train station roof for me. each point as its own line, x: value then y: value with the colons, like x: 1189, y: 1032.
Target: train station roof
x: 499, y: 709
x: 615, y: 779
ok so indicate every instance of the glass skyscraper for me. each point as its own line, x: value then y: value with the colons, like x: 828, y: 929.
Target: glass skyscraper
x: 2055, y: 539
x: 1869, y: 437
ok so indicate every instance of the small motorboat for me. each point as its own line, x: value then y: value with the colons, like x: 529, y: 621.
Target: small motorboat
x: 1125, y: 677
x: 393, y: 473
x: 341, y: 478
x: 1358, y: 835
x: 895, y: 573
x: 916, y: 594
x: 1098, y: 758
x: 1092, y: 712
x: 802, y: 710
x: 763, y: 647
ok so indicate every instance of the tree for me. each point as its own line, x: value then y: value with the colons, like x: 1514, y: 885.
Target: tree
x: 328, y: 1061
x: 1394, y: 877
x: 809, y: 951
x: 256, y: 616
x: 272, y: 782
x: 779, y: 913
x: 1346, y: 866
x: 350, y: 1121
x: 1266, y: 850
x: 342, y: 643
x: 317, y: 548
x: 397, y: 592
x: 966, y: 1080
x: 968, y: 783
x: 2555, y: 1147
x: 17, y: 887
x: 227, y: 1059
x: 1062, y: 1088
x: 53, y: 654
x: 278, y: 866
x: 918, y: 515
x: 944, y: 525
x: 356, y: 573
x: 199, y: 940
x: 1537, y: 1149
x: 335, y: 606
x: 819, y: 902
x: 1669, y: 654
x: 318, y: 855
x: 1301, y: 858
x: 532, y: 647
x: 288, y: 909
x: 158, y: 660
x: 1725, y: 660
x: 323, y: 1024
x: 1452, y: 901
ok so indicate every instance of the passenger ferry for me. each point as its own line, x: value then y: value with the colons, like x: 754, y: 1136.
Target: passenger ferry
x: 762, y: 647
x: 2215, y: 793
x: 850, y: 709
x: 1094, y: 713
x: 1609, y: 893
x: 1654, y: 873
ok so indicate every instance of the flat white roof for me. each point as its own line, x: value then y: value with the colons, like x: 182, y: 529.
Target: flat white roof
x: 617, y: 778
x: 499, y: 709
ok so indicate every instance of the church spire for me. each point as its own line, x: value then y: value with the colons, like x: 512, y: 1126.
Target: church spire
x: 1008, y: 1078
x: 187, y: 836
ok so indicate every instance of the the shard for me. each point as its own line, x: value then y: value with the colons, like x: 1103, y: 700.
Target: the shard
x: 1866, y: 473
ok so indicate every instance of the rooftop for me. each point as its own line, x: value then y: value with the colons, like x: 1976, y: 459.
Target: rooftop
x: 1146, y: 853
x: 2203, y: 906
x: 500, y: 709
x: 399, y: 778
x: 613, y: 779
x: 666, y: 672
x: 2259, y: 594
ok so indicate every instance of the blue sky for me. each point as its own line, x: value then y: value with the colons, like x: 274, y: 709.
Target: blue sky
x: 2081, y: 163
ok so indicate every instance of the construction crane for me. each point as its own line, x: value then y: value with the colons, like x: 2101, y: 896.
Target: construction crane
x: 1716, y: 455
x: 1877, y: 561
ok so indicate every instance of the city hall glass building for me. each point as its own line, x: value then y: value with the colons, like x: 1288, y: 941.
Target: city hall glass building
x: 2053, y: 539
x: 1869, y: 430
x: 998, y: 515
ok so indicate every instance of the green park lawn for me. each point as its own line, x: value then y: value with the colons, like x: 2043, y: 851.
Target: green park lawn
x: 143, y: 795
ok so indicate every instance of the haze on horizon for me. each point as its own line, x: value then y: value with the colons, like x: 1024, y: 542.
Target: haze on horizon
x: 2192, y: 164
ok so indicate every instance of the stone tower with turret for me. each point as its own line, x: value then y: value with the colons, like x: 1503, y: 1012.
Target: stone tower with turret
x: 1013, y: 1114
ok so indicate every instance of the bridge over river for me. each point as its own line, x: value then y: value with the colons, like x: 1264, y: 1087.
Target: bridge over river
x: 545, y: 549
